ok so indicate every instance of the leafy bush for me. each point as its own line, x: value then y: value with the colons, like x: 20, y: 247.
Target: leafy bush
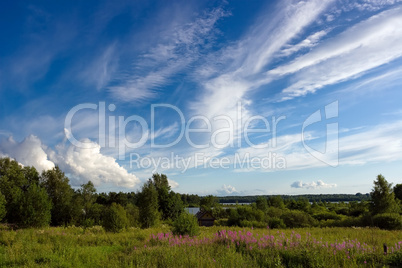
x: 115, y: 218
x: 275, y: 212
x: 236, y: 216
x: 326, y: 216
x: 275, y: 222
x: 186, y: 224
x: 34, y: 207
x: 256, y: 224
x: 295, y: 219
x: 389, y: 221
x: 221, y: 222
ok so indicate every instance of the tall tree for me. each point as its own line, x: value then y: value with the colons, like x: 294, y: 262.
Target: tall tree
x: 88, y: 197
x: 261, y: 203
x: 382, y: 197
x: 34, y: 207
x: 148, y: 205
x: 398, y: 191
x: 60, y: 192
x: 12, y: 181
x: 208, y: 202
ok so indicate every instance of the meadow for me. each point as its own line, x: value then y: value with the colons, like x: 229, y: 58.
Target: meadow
x: 213, y: 247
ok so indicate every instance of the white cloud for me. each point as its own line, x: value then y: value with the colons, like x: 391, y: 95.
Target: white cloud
x: 84, y: 164
x: 29, y: 152
x: 178, y: 47
x: 247, y: 59
x: 173, y: 184
x: 100, y: 71
x: 363, y: 145
x: 369, y: 44
x: 80, y: 164
x: 312, y: 185
x: 309, y: 42
x: 227, y: 190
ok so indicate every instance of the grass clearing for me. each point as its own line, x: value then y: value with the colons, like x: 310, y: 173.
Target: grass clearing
x: 214, y: 247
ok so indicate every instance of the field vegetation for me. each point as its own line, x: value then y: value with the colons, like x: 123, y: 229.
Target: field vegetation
x: 46, y: 222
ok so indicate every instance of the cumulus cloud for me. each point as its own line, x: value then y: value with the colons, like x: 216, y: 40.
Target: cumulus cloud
x: 80, y: 164
x: 227, y: 190
x: 312, y: 185
x: 29, y: 152
x: 173, y: 184
x: 88, y: 163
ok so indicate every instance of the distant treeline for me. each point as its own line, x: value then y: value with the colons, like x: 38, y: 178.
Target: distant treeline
x: 30, y: 199
x: 310, y: 197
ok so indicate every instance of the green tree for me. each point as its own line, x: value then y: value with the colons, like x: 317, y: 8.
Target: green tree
x: 382, y: 197
x: 175, y: 204
x: 186, y: 224
x: 133, y: 215
x: 262, y: 203
x: 148, y: 205
x: 88, y: 198
x: 35, y: 207
x: 60, y: 192
x: 398, y: 191
x: 276, y: 201
x: 161, y: 184
x: 12, y: 181
x: 208, y: 202
x: 115, y: 218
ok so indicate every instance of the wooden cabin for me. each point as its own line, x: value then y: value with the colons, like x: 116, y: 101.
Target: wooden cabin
x: 205, y: 218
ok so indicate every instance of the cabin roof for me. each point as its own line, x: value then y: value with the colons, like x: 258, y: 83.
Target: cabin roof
x: 202, y: 214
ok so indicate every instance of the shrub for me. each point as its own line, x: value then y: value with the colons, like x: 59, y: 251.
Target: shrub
x: 295, y: 219
x: 186, y: 224
x: 389, y: 221
x: 255, y: 224
x: 34, y: 207
x: 115, y: 218
x: 275, y: 222
x: 221, y: 222
x: 326, y: 216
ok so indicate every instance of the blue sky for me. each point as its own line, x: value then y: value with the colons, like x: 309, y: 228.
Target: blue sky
x: 225, y: 97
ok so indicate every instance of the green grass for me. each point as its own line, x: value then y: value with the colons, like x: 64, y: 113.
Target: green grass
x: 236, y: 247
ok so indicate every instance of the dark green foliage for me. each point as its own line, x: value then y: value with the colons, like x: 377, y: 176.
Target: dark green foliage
x: 60, y: 192
x: 276, y: 223
x: 148, y: 204
x: 133, y: 215
x: 85, y: 199
x: 115, y: 218
x: 186, y: 224
x: 398, y: 191
x: 276, y: 201
x: 95, y: 215
x: 208, y: 202
x: 245, y: 213
x: 34, y: 207
x: 310, y: 197
x: 275, y: 212
x: 12, y: 181
x: 326, y: 216
x: 296, y: 219
x: 382, y: 197
x: 3, y: 210
x: 389, y: 221
x: 261, y: 203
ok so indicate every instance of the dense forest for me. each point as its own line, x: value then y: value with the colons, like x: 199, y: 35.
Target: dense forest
x: 309, y: 197
x: 30, y: 199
